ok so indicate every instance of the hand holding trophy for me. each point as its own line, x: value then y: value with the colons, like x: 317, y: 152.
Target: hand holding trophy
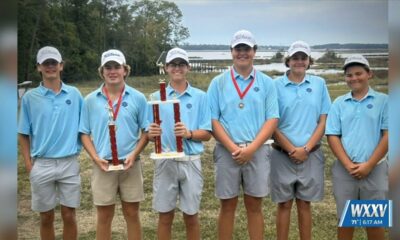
x: 115, y: 164
x: 159, y: 152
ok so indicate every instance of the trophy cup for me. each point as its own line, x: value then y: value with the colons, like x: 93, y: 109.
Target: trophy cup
x: 115, y: 164
x: 159, y: 152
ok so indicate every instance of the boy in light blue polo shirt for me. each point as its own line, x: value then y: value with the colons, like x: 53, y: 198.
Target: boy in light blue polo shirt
x: 115, y: 103
x: 48, y: 135
x: 244, y: 112
x: 357, y: 134
x: 297, y: 161
x: 180, y: 178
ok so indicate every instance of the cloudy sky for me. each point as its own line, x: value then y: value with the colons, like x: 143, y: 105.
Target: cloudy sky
x: 280, y: 22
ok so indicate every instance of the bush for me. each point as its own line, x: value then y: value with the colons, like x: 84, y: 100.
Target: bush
x: 329, y: 57
x: 278, y: 57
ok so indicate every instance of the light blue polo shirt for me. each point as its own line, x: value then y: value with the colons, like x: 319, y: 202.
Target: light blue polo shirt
x: 195, y: 114
x: 300, y: 106
x: 51, y: 120
x: 260, y: 104
x: 130, y: 120
x: 359, y: 123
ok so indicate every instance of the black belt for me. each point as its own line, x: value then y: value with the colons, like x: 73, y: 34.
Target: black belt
x: 280, y: 149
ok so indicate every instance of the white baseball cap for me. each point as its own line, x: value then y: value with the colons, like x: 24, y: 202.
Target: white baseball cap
x: 112, y: 55
x: 176, y: 53
x: 48, y: 53
x: 299, y: 46
x: 243, y: 37
x: 355, y: 58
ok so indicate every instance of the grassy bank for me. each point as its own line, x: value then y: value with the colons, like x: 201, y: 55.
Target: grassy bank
x: 324, y: 212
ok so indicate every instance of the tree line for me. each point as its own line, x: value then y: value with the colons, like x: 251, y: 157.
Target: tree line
x: 83, y: 29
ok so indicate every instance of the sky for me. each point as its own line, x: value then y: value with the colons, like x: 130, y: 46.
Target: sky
x: 281, y: 22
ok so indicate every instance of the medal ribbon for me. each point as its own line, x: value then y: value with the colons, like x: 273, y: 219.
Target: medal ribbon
x: 115, y: 114
x: 242, y: 94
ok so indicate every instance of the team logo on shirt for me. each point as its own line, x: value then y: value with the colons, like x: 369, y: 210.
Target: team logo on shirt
x: 124, y: 104
x: 256, y: 89
x: 369, y: 106
x: 309, y: 90
x: 68, y: 102
x: 189, y: 105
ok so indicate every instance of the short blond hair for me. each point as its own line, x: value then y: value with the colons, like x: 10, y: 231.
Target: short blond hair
x: 127, y: 69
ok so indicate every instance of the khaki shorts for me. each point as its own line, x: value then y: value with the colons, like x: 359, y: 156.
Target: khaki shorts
x: 106, y: 185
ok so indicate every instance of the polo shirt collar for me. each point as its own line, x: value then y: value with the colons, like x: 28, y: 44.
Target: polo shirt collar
x: 189, y: 90
x: 237, y: 75
x: 370, y: 93
x: 99, y: 91
x: 287, y: 81
x: 44, y: 91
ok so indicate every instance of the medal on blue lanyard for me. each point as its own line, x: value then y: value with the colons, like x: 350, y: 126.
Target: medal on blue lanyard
x: 242, y: 94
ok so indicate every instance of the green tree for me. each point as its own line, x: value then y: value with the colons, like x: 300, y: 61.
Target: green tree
x: 29, y: 18
x: 158, y: 27
x: 83, y: 29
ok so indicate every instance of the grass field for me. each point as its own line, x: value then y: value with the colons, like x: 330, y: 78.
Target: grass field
x: 324, y: 212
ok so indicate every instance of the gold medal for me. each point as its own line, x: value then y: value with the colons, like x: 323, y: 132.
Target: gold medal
x: 241, y: 105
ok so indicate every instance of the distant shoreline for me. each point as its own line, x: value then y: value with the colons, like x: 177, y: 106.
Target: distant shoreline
x: 330, y: 46
x: 225, y: 55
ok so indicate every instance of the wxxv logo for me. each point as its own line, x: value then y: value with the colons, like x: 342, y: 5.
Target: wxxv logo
x: 367, y: 213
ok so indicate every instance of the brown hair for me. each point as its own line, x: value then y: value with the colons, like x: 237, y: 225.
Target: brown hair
x: 287, y: 58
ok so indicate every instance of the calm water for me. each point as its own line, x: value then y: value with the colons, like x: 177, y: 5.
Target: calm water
x: 282, y: 68
x: 226, y: 55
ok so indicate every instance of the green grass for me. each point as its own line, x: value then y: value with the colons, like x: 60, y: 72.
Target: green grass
x: 324, y: 212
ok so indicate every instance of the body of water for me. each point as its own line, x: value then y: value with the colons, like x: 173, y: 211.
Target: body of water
x: 226, y: 55
x: 199, y: 60
x: 282, y: 68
